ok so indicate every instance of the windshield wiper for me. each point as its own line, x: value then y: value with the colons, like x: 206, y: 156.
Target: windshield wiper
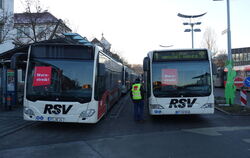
x: 80, y: 100
x: 74, y: 98
x: 38, y: 97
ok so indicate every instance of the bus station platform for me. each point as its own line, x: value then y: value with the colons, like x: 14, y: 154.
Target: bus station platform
x: 12, y: 120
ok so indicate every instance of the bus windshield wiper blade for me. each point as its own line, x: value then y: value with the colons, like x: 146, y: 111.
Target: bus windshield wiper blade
x: 74, y: 98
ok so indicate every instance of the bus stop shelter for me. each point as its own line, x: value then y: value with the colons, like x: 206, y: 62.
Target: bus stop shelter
x: 12, y: 72
x: 13, y: 68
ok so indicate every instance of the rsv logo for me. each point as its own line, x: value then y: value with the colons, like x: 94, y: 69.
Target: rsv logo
x: 56, y: 109
x: 182, y: 103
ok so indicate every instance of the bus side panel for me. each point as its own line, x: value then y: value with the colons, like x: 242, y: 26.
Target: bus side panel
x: 108, y: 85
x: 102, y: 107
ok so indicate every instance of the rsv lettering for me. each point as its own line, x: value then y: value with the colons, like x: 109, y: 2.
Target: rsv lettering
x: 56, y: 109
x: 182, y: 103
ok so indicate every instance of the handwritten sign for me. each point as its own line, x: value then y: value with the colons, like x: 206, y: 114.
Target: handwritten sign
x: 169, y: 76
x: 42, y: 76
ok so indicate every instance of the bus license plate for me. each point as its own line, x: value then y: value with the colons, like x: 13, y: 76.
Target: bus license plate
x: 56, y: 119
x: 182, y: 112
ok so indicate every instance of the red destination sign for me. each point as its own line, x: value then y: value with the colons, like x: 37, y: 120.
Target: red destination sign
x: 42, y: 76
x: 169, y: 76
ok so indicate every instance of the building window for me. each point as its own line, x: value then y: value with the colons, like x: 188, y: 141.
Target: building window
x: 1, y: 4
x: 234, y: 57
x: 23, y: 32
x: 40, y: 29
x: 26, y: 31
x: 248, y: 57
x: 1, y: 32
x: 19, y: 32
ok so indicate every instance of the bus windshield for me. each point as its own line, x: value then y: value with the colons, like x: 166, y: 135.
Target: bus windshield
x: 181, y: 78
x: 60, y: 80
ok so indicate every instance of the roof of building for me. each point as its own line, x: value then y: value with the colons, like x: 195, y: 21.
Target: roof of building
x: 39, y: 18
x: 25, y: 18
x: 97, y: 42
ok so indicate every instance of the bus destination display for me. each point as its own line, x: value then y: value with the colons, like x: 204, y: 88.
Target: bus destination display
x: 180, y: 55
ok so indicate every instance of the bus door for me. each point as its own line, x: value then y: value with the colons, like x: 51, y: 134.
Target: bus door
x: 1, y: 85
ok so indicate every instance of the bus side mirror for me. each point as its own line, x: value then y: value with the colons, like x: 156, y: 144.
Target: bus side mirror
x: 101, y: 69
x: 146, y: 64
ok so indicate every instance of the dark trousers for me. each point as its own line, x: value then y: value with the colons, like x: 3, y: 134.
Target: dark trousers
x: 138, y: 110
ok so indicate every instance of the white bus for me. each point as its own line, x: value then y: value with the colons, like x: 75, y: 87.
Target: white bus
x: 129, y: 77
x: 179, y: 82
x: 70, y: 83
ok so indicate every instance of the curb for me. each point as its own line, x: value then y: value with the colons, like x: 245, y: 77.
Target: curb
x: 227, y: 113
x: 223, y: 111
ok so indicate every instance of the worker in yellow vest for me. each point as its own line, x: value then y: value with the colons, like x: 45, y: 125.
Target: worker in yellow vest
x: 137, y: 98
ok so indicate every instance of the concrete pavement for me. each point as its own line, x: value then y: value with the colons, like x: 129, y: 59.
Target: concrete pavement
x: 219, y: 92
x: 190, y: 144
x: 118, y: 136
x: 12, y: 120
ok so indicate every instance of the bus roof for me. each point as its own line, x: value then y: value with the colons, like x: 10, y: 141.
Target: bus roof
x: 166, y: 50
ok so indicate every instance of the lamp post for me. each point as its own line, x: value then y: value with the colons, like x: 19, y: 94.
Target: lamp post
x: 166, y: 46
x: 228, y: 31
x: 192, y: 24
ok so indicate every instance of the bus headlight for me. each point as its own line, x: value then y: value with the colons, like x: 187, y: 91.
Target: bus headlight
x: 156, y: 106
x: 207, y: 105
x: 29, y: 112
x: 88, y: 113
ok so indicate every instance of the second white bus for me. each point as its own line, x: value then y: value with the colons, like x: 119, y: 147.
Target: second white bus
x: 179, y: 82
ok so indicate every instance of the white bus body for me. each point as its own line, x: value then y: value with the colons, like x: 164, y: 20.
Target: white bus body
x: 179, y: 82
x: 70, y: 83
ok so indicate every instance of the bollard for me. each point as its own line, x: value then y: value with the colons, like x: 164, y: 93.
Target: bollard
x: 243, y: 97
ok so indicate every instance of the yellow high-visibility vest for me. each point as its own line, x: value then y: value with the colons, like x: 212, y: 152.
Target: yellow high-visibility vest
x: 136, y: 93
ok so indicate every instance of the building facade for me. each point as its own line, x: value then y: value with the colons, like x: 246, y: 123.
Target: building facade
x: 6, y: 24
x: 241, y: 56
x: 17, y: 29
x: 35, y: 27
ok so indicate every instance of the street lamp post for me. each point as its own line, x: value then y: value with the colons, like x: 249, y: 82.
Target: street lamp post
x: 228, y: 31
x: 192, y: 24
x: 229, y: 85
x: 166, y: 46
x: 192, y: 30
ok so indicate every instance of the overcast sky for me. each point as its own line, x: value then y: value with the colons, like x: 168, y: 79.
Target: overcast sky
x: 135, y: 27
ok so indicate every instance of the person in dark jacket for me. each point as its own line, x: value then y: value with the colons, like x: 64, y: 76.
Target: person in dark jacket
x: 137, y: 98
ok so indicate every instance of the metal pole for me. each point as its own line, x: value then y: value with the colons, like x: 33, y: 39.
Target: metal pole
x: 228, y: 32
x: 192, y: 31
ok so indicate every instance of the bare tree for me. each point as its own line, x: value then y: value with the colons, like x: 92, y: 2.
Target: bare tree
x: 209, y: 41
x: 220, y: 59
x: 6, y: 25
x: 36, y: 24
x: 117, y: 55
x: 137, y: 68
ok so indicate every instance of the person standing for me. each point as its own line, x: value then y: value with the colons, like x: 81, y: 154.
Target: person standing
x: 137, y: 98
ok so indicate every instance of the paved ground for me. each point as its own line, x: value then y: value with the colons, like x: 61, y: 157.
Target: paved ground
x: 220, y: 92
x: 117, y: 135
x: 12, y: 121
